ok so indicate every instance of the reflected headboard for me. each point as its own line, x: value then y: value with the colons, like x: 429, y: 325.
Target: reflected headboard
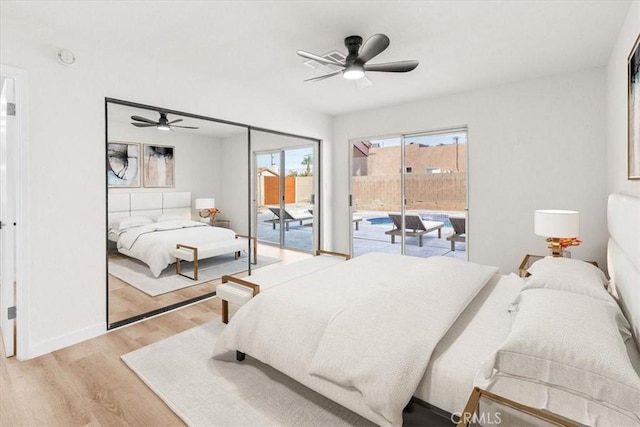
x: 623, y: 255
x: 152, y: 205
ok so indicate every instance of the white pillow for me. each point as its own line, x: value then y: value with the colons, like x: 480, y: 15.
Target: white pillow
x: 569, y: 275
x: 170, y: 217
x: 573, y: 343
x: 133, y: 221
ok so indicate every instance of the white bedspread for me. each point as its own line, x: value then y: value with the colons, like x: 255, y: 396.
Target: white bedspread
x: 154, y: 243
x: 366, y: 326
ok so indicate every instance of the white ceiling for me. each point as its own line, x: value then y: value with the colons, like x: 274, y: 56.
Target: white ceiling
x: 461, y: 45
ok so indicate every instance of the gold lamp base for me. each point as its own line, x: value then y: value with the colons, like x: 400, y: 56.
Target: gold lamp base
x: 556, y: 249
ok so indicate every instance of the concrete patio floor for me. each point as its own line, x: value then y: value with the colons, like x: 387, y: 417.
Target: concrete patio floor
x: 368, y: 238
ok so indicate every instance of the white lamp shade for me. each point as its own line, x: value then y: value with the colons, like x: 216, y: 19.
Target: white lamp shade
x: 557, y: 223
x: 205, y: 203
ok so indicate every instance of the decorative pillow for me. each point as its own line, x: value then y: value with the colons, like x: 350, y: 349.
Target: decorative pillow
x: 170, y: 217
x: 573, y: 343
x: 569, y: 275
x: 133, y: 221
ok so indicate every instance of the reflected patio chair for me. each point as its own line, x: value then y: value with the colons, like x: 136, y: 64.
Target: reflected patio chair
x: 289, y: 216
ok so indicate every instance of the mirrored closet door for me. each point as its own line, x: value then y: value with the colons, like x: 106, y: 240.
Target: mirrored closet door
x: 285, y: 187
x: 177, y: 190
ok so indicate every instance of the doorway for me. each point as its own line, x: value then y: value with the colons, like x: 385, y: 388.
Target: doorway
x: 285, y: 206
x: 409, y: 194
x: 13, y: 163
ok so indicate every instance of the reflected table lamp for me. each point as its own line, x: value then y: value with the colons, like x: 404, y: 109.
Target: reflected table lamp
x: 559, y: 226
x: 207, y: 208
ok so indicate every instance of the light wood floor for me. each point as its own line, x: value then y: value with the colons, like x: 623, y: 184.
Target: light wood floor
x: 88, y: 384
x: 125, y: 301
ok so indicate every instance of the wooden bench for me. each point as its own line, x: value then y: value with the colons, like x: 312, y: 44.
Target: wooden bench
x: 239, y: 291
x: 184, y: 252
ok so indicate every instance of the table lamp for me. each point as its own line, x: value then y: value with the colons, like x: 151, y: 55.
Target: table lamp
x: 557, y: 225
x: 207, y: 208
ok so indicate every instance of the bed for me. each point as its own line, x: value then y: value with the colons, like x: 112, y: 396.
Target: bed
x: 150, y: 227
x: 369, y: 335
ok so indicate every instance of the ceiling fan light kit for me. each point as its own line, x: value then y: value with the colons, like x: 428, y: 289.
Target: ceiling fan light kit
x: 353, y: 72
x: 355, y: 64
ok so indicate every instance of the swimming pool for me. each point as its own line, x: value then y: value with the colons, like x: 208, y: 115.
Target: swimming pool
x: 427, y: 217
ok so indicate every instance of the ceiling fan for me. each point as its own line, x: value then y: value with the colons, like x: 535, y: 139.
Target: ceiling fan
x: 162, y: 124
x: 355, y: 65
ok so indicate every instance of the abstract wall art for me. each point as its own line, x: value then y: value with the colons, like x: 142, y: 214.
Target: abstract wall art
x: 123, y: 164
x: 159, y: 166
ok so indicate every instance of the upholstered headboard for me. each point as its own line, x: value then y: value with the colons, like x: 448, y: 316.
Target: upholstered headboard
x: 152, y: 205
x: 623, y: 255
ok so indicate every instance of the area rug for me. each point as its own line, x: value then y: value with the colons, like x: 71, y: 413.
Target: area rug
x: 207, y: 392
x: 138, y: 275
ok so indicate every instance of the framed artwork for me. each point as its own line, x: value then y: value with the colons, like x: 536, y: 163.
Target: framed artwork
x: 123, y: 164
x: 634, y: 112
x: 159, y: 166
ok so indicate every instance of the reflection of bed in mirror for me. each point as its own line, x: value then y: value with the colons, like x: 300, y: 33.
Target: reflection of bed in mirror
x: 149, y: 226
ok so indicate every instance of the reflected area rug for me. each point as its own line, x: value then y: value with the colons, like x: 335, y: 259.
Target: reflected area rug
x: 138, y: 275
x: 207, y: 392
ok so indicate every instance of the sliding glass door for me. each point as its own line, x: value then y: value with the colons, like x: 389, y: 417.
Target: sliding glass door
x: 410, y: 193
x: 285, y: 208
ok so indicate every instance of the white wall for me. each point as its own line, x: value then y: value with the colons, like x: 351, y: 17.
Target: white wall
x: 617, y: 115
x: 198, y: 159
x: 66, y: 247
x: 233, y: 191
x: 532, y: 145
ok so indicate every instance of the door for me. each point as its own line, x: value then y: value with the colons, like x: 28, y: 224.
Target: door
x: 8, y: 161
x: 285, y: 185
x: 376, y: 189
x: 411, y: 193
x: 267, y: 188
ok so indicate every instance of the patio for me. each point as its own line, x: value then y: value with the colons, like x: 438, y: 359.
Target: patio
x: 370, y: 236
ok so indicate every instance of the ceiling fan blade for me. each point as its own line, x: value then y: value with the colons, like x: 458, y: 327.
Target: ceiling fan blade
x: 393, y: 67
x: 144, y: 125
x: 373, y: 47
x: 143, y: 119
x: 184, y: 127
x: 174, y: 121
x: 326, y: 76
x: 320, y: 59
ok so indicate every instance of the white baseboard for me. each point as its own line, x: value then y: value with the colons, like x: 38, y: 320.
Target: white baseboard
x: 35, y: 350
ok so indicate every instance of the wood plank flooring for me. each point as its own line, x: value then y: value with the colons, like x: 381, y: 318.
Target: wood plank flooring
x: 88, y: 384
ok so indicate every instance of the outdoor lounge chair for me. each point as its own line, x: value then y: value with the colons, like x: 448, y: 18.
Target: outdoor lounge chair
x: 289, y: 216
x: 459, y: 224
x: 415, y: 227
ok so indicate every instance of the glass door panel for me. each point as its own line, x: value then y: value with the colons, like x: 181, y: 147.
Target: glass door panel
x: 435, y: 189
x: 285, y: 185
x: 298, y: 198
x: 268, y: 196
x: 376, y: 188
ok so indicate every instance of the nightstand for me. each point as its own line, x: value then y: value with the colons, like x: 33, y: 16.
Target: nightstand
x: 225, y: 223
x: 529, y: 259
x: 485, y: 409
x: 526, y: 263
